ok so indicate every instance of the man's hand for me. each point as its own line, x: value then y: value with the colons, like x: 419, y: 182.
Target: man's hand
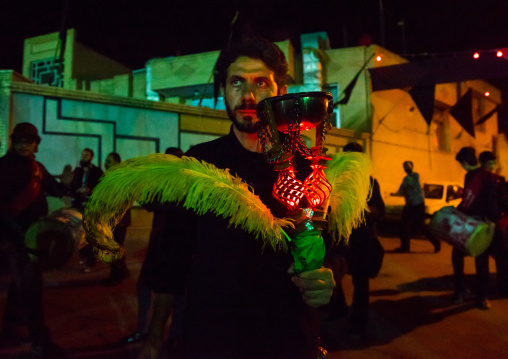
x: 151, y: 348
x: 315, y: 285
x: 84, y: 190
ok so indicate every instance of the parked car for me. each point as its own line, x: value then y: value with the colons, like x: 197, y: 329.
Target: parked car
x: 437, y: 195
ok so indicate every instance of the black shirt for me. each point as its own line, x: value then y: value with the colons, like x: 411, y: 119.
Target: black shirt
x: 240, y: 300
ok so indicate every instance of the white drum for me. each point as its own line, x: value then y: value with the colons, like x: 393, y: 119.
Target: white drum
x: 469, y: 234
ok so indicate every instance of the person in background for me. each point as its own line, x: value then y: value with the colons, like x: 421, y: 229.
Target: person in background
x: 413, y: 212
x: 149, y: 281
x: 364, y: 256
x: 499, y: 247
x: 24, y: 183
x: 119, y: 270
x: 85, y: 177
x: 478, y: 199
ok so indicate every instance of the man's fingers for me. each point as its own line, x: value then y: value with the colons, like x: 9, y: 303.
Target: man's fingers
x: 311, y: 284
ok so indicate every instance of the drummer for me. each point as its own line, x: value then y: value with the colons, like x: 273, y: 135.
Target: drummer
x: 24, y: 183
x: 479, y: 199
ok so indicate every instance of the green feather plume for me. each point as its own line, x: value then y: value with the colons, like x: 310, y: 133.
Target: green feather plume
x: 166, y: 178
x: 349, y: 175
x: 204, y: 188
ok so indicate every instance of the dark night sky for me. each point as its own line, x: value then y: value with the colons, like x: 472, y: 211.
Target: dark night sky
x: 133, y: 32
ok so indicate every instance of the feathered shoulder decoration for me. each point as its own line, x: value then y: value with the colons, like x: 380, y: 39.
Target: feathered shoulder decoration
x: 204, y: 188
x: 162, y: 178
x: 349, y: 175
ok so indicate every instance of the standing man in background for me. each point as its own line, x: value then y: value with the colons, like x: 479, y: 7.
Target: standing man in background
x: 119, y: 269
x: 24, y: 183
x: 414, y: 210
x: 85, y: 177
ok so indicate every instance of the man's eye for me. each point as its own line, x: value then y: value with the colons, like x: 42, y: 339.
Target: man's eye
x: 262, y: 83
x: 236, y: 83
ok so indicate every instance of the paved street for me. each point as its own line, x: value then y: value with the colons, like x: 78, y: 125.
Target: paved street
x: 411, y: 315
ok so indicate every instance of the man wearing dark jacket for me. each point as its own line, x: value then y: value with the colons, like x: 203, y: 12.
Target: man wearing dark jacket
x: 24, y: 183
x: 479, y: 199
x: 85, y: 178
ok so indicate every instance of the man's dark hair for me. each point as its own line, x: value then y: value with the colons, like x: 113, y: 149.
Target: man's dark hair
x: 486, y: 156
x: 256, y: 48
x: 353, y: 147
x: 116, y: 157
x: 174, y: 151
x: 89, y: 151
x: 468, y: 155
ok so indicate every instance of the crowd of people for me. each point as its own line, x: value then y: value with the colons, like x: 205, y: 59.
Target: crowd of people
x: 229, y: 296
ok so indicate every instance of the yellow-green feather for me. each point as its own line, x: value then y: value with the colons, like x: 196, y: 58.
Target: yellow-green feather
x: 165, y: 178
x: 349, y: 175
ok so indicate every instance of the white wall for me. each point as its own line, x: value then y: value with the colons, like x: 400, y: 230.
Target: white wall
x: 68, y: 126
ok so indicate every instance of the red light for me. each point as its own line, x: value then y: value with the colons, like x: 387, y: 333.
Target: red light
x: 476, y: 55
x: 487, y: 93
x: 290, y: 191
x: 378, y: 58
x: 499, y: 54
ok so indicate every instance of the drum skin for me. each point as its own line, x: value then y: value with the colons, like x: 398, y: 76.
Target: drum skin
x: 52, y: 240
x: 469, y: 234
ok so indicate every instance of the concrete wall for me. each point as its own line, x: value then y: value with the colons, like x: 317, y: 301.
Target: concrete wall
x: 69, y: 121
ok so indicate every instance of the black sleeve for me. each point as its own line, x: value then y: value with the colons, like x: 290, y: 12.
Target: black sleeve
x: 492, y: 195
x: 376, y: 203
x: 169, y: 254
x: 50, y: 185
x: 94, y: 177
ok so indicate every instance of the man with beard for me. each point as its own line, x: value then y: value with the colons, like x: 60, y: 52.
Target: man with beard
x: 413, y: 213
x: 119, y: 269
x: 85, y: 178
x: 242, y: 299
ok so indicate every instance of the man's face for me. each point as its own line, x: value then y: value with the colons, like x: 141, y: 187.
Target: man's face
x: 466, y: 166
x: 86, y: 158
x: 25, y: 148
x: 110, y: 161
x: 248, y: 81
x: 490, y: 165
x: 407, y: 168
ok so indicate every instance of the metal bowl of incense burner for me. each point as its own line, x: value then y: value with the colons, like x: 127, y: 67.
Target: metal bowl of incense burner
x: 306, y: 109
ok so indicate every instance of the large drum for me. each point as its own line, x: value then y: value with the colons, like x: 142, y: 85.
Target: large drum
x: 469, y: 234
x: 52, y: 240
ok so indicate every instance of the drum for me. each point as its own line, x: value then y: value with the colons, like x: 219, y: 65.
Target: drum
x: 308, y: 108
x: 52, y: 240
x: 469, y: 234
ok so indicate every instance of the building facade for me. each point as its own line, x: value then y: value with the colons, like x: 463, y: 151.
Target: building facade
x: 170, y: 103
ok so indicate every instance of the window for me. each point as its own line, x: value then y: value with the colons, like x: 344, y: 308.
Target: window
x: 453, y: 192
x: 433, y: 191
x: 47, y: 72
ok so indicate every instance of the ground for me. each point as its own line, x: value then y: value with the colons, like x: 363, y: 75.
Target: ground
x: 411, y: 311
